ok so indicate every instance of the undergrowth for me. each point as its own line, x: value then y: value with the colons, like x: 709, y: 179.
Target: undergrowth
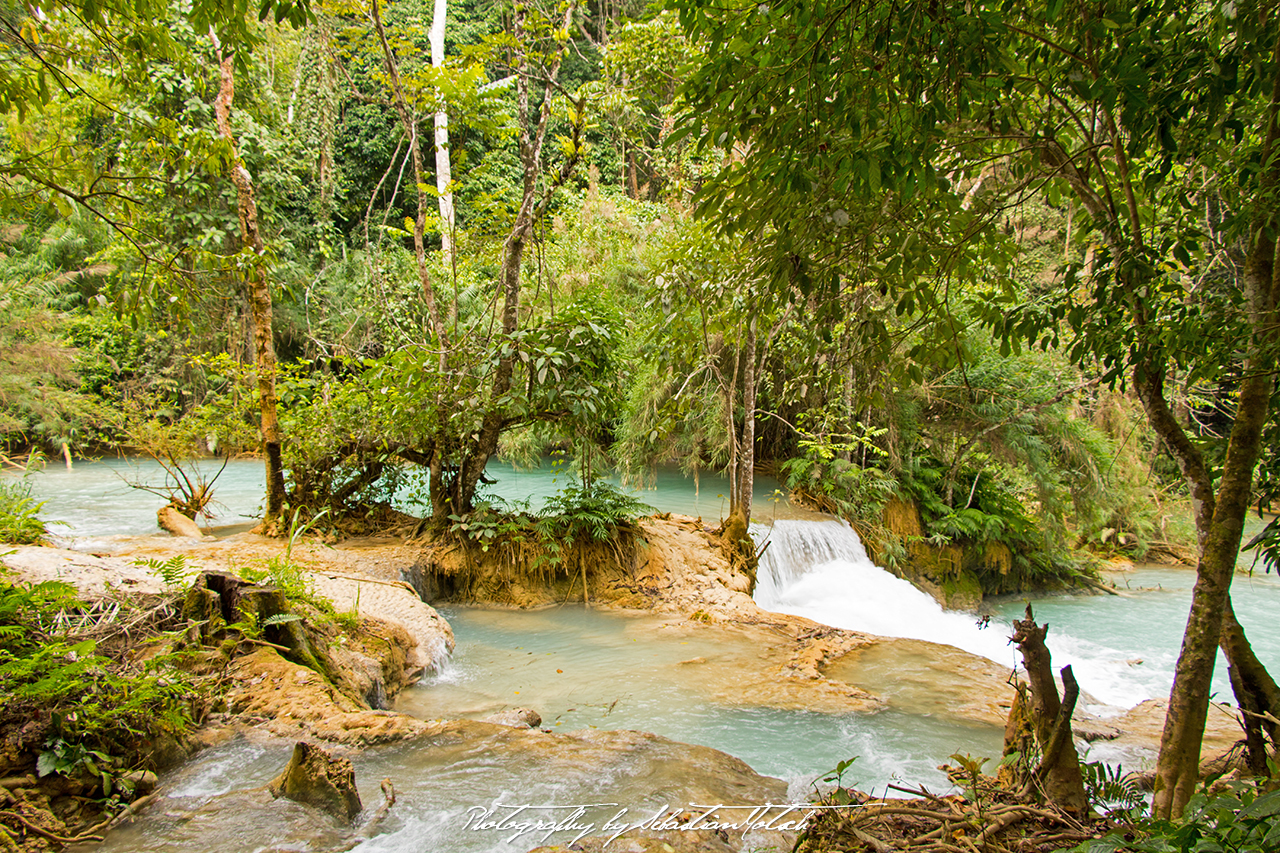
x: 20, y: 522
x: 1242, y: 820
x: 83, y: 710
x: 576, y: 515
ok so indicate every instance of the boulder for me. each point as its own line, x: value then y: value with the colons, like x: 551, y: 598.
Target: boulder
x: 316, y: 778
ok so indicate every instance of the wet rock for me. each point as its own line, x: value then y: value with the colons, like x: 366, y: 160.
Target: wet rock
x: 362, y: 676
x: 295, y: 701
x: 1090, y: 730
x: 142, y: 782
x: 1142, y: 725
x: 521, y: 718
x: 926, y: 678
x: 177, y: 524
x: 316, y: 778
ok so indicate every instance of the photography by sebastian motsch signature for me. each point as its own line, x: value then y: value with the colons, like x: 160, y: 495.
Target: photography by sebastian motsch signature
x: 582, y: 819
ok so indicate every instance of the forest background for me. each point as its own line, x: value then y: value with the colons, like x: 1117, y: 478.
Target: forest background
x: 1005, y: 282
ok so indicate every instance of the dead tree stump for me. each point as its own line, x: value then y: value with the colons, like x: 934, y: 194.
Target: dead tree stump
x: 1057, y: 777
x: 218, y: 599
x: 316, y: 778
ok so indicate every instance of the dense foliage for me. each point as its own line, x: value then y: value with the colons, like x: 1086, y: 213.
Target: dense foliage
x: 996, y: 280
x: 635, y: 331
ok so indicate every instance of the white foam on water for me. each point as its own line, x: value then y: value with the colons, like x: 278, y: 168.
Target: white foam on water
x: 222, y: 771
x: 819, y: 570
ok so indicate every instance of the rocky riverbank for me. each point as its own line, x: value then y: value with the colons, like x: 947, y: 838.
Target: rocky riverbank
x: 676, y: 569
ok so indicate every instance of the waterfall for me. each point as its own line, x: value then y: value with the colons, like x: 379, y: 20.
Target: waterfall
x: 819, y: 570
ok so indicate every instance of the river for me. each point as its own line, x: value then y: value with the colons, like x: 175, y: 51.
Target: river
x: 584, y: 669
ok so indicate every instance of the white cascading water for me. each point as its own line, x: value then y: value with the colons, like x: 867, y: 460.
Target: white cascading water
x: 819, y: 570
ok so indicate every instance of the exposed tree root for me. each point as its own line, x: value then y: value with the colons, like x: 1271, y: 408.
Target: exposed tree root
x: 999, y: 823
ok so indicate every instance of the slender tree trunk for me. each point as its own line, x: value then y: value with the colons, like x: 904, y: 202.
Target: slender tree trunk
x: 259, y: 290
x: 532, y: 134
x: 1256, y: 692
x: 444, y: 170
x: 1177, y: 769
x: 736, y: 531
x: 747, y: 446
x: 730, y: 389
x: 409, y: 120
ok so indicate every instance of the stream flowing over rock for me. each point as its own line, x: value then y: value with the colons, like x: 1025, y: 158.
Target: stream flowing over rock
x: 445, y: 778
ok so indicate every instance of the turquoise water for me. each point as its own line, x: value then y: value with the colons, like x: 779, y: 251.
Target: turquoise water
x: 581, y: 668
x: 95, y: 498
x: 1123, y: 650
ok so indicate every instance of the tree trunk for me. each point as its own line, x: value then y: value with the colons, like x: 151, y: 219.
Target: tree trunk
x: 259, y: 290
x: 736, y: 531
x: 1059, y: 772
x: 1177, y: 769
x: 444, y: 170
x: 747, y: 445
x: 1256, y: 692
x: 409, y: 121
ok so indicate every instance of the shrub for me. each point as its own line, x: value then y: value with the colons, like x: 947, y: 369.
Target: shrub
x: 1243, y: 821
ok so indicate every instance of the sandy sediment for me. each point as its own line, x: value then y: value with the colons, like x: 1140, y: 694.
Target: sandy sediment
x: 359, y: 576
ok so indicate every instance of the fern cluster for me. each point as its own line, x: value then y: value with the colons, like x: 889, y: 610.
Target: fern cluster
x: 1112, y: 790
x: 577, y: 514
x: 83, y: 704
x: 20, y: 522
x: 593, y: 511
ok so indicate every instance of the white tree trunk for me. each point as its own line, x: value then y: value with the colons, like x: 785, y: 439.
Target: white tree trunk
x: 444, y: 173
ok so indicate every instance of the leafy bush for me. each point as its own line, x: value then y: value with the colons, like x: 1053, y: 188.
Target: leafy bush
x: 1243, y: 821
x: 20, y: 522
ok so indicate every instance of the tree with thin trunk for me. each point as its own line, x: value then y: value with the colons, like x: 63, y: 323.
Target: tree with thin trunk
x: 485, y: 361
x: 252, y: 263
x: 407, y: 112
x: 444, y: 170
x: 532, y: 120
